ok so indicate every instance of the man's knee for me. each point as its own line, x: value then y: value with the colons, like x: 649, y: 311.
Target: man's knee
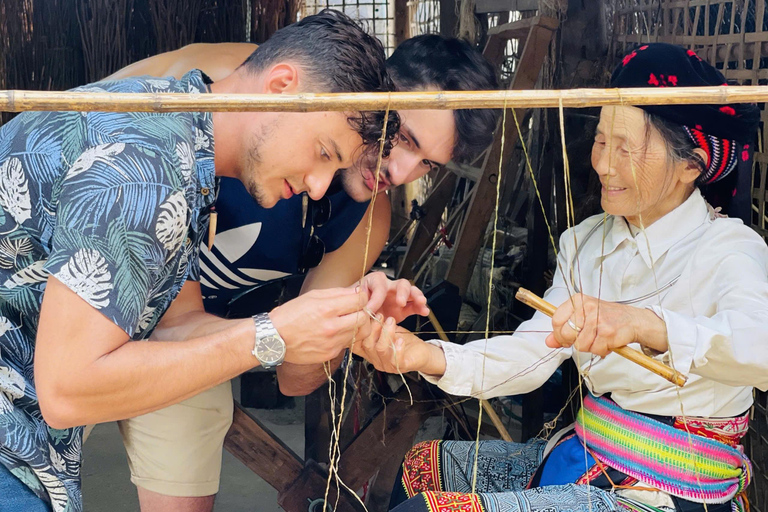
x: 155, y: 502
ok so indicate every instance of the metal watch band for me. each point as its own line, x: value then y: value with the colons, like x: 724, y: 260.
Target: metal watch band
x: 264, y: 325
x: 265, y: 329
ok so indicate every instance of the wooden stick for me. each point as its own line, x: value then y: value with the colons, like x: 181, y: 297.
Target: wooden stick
x: 19, y: 101
x: 531, y: 299
x: 488, y: 408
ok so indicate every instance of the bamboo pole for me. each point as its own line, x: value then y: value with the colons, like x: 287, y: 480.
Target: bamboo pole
x: 531, y: 299
x: 19, y: 101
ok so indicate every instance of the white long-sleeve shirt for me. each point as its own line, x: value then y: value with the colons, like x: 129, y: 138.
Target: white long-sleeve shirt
x: 716, y: 315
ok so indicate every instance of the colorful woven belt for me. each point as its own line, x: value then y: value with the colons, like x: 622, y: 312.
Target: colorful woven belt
x: 682, y: 464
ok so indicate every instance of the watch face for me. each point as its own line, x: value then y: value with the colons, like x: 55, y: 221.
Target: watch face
x: 270, y: 350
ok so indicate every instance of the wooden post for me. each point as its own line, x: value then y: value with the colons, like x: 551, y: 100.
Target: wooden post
x: 538, y: 246
x: 472, y: 232
x: 317, y: 433
x: 427, y: 226
x: 402, y: 22
x: 297, y: 484
x: 389, y: 435
x: 253, y: 444
x: 448, y: 18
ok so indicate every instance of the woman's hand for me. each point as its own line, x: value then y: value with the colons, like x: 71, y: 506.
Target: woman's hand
x: 597, y: 326
x: 392, y: 349
x: 397, y: 299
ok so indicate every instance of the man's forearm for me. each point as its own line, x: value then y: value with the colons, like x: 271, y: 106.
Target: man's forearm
x: 193, y: 324
x: 300, y: 379
x: 142, y: 376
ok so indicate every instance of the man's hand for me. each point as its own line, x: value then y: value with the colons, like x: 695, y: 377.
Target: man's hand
x: 392, y: 349
x: 603, y: 326
x: 396, y: 299
x: 318, y: 325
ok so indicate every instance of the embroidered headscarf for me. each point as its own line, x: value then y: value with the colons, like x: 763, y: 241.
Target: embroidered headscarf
x: 726, y: 133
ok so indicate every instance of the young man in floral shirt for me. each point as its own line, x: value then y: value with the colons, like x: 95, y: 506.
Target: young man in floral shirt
x: 101, y: 219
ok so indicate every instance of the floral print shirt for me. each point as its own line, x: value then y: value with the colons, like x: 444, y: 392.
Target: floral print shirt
x: 115, y: 206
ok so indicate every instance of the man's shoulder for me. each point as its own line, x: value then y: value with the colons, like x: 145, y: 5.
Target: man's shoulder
x: 192, y: 82
x: 173, y: 135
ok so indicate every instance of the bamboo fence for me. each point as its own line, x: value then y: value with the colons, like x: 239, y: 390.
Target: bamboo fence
x: 20, y: 101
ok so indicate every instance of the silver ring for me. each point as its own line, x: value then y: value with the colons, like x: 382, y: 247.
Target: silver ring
x: 573, y: 325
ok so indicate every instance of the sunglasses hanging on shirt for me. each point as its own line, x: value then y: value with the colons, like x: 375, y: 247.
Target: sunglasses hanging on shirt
x: 316, y: 214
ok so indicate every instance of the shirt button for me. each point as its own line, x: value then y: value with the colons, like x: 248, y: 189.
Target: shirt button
x: 205, y: 191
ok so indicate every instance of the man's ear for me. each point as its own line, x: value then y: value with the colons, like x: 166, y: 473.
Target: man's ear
x: 282, y: 78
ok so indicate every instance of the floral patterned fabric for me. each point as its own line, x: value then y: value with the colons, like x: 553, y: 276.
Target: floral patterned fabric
x: 115, y: 206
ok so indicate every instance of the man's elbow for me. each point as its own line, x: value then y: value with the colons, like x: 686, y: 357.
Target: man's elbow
x: 292, y: 387
x: 59, y: 411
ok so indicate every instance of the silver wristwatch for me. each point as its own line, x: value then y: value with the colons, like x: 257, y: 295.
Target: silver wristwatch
x: 269, y: 347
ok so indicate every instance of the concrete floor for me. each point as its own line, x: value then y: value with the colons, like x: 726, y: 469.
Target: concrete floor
x: 106, y: 479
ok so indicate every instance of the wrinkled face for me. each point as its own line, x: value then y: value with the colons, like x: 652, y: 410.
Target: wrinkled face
x: 425, y: 142
x: 637, y: 176
x: 290, y: 153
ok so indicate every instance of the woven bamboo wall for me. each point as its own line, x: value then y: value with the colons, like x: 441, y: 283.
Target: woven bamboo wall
x: 732, y: 35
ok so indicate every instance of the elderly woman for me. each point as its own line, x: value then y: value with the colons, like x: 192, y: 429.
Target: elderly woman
x: 663, y: 271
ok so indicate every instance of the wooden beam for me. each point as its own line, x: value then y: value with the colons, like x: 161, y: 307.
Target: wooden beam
x: 261, y: 451
x: 317, y: 422
x: 402, y: 22
x: 381, y: 490
x: 469, y: 240
x: 519, y: 29
x: 307, y: 493
x: 389, y: 435
x: 427, y: 226
x: 448, y: 18
x: 488, y: 6
x: 297, y: 484
x: 536, y: 261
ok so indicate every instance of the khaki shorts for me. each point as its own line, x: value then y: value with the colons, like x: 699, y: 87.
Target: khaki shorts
x: 176, y: 451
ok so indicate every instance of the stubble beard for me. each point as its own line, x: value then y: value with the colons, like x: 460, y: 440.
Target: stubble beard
x: 252, y: 164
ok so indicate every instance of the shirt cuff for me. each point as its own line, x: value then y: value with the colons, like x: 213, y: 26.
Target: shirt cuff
x: 681, y: 338
x: 457, y: 379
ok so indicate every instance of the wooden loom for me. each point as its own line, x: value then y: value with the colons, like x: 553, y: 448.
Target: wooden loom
x: 300, y: 483
x: 296, y: 481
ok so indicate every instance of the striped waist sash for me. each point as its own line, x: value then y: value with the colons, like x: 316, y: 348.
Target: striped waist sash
x: 688, y: 466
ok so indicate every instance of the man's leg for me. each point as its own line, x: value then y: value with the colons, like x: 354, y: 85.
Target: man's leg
x: 175, y: 453
x: 151, y: 501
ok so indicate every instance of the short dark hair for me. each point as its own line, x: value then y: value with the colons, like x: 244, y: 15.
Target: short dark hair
x: 449, y: 64
x: 339, y: 56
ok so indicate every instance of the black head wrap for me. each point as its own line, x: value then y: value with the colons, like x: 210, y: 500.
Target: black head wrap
x: 726, y: 133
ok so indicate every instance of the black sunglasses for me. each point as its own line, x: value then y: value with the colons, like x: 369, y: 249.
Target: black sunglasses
x: 318, y: 213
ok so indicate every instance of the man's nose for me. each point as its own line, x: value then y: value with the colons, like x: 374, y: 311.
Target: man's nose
x: 401, y: 167
x: 317, y: 183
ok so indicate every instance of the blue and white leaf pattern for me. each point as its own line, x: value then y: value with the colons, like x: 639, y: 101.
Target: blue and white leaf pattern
x: 159, y: 84
x: 201, y: 140
x: 33, y: 274
x: 86, y: 273
x: 14, y: 190
x: 186, y: 160
x: 92, y: 155
x: 12, y: 387
x: 171, y: 227
x: 110, y: 204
